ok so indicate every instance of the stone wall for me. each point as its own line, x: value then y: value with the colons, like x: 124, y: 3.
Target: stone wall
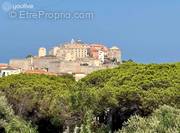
x: 51, y: 64
x: 55, y: 65
x: 24, y: 64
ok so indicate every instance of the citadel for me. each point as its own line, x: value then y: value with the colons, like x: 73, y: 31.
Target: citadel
x: 74, y: 57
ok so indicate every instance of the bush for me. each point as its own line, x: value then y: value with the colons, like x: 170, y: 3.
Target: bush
x: 166, y: 119
x: 9, y: 122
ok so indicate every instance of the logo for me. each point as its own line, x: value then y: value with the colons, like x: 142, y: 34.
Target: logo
x: 6, y: 6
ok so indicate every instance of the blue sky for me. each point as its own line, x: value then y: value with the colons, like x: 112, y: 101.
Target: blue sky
x: 147, y: 31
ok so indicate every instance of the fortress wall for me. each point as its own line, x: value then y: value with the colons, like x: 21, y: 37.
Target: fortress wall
x: 90, y: 69
x: 52, y: 64
x: 74, y: 67
x: 69, y: 67
x: 24, y: 64
x: 55, y: 65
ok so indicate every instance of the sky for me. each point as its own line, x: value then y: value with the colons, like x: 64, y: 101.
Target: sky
x: 147, y: 31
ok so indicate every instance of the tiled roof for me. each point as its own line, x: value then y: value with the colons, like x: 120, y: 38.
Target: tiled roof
x: 3, y: 65
x: 8, y: 68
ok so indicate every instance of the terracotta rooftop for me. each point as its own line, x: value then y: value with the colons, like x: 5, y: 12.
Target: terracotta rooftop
x: 9, y: 68
x: 3, y: 65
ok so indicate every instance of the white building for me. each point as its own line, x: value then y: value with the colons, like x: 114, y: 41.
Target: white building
x: 42, y: 52
x: 101, y: 56
x: 9, y: 71
x: 115, y: 53
x: 54, y: 51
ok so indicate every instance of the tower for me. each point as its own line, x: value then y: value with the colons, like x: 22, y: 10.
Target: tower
x: 42, y: 52
x: 115, y: 53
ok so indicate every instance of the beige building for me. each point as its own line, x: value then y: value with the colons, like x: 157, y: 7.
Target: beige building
x: 115, y: 53
x: 73, y: 51
x: 42, y: 52
x: 77, y: 50
x: 54, y: 51
x: 74, y: 57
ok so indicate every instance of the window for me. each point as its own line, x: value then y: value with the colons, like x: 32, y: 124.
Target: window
x: 3, y: 74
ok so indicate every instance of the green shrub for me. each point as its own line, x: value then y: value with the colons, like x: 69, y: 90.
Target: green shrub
x: 11, y: 123
x: 166, y: 119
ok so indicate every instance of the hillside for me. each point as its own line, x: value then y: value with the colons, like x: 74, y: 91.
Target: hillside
x: 102, y: 101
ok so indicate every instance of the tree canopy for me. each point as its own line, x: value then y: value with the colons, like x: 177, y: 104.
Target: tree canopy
x: 166, y: 119
x: 110, y: 96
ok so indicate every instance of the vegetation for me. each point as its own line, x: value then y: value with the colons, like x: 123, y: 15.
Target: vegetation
x: 163, y: 120
x: 29, y: 56
x: 42, y: 99
x: 100, y: 102
x: 116, y: 94
x: 11, y: 123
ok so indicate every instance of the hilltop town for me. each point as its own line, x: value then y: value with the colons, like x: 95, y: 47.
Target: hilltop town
x: 74, y: 57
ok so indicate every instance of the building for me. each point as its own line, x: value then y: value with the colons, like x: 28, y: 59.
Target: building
x: 42, y: 52
x: 101, y: 52
x: 101, y: 56
x: 95, y: 48
x: 115, y: 54
x: 73, y: 51
x: 9, y: 71
x: 3, y: 66
x: 75, y: 57
x: 54, y: 51
x: 77, y: 50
